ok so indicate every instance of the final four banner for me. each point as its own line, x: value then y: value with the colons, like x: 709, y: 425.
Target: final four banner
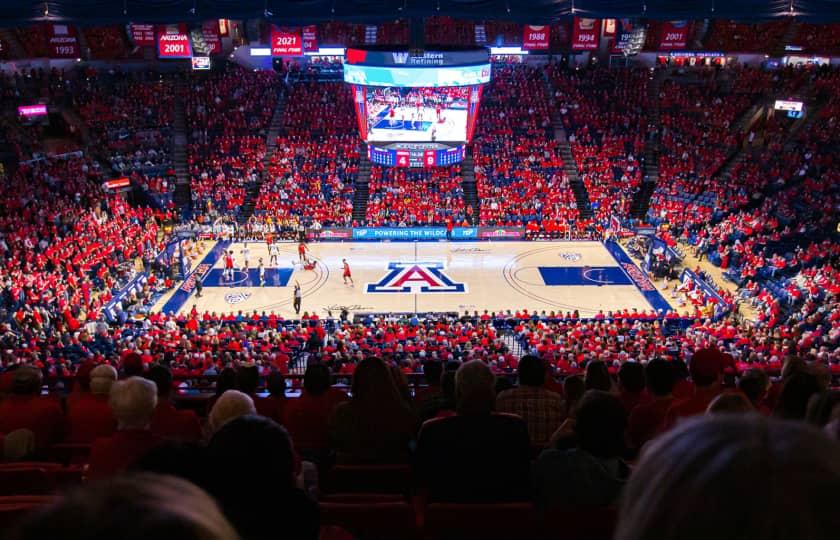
x: 286, y: 41
x: 674, y: 35
x: 586, y: 34
x: 310, y: 38
x: 535, y: 38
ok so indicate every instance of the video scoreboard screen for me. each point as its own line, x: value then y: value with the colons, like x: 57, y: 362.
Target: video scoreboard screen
x: 416, y: 155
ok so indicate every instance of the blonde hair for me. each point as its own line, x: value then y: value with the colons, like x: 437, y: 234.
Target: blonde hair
x: 232, y: 404
x: 133, y: 402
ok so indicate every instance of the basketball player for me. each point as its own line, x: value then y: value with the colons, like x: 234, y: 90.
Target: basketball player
x: 346, y: 273
x: 273, y: 252
x: 437, y: 112
x: 391, y: 116
x: 262, y: 273
x: 228, y: 273
x: 297, y: 296
x: 246, y: 253
x: 310, y: 264
x: 302, y: 249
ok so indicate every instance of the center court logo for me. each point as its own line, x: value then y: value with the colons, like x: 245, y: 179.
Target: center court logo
x: 237, y: 297
x: 416, y: 278
x: 571, y: 257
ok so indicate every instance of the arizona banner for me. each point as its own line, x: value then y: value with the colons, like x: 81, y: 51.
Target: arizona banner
x: 310, y: 38
x: 585, y: 34
x: 212, y: 37
x: 174, y: 41
x: 535, y: 38
x: 623, y: 34
x: 63, y: 41
x: 286, y: 42
x: 674, y: 35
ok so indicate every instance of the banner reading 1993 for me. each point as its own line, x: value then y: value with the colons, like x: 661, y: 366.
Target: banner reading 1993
x: 586, y: 34
x: 173, y: 41
x: 63, y: 41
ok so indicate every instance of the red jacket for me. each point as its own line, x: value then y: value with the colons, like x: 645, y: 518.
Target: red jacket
x: 170, y: 423
x: 114, y: 454
x: 42, y: 415
x: 89, y: 417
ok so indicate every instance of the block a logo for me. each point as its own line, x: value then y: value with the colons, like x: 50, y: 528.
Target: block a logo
x: 416, y: 278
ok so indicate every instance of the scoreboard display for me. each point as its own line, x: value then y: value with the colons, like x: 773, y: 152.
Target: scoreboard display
x: 416, y: 155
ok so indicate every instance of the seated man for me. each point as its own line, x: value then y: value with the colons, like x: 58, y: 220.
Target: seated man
x: 89, y: 416
x: 133, y: 401
x: 167, y: 421
x: 26, y: 409
x: 542, y: 409
x: 476, y: 455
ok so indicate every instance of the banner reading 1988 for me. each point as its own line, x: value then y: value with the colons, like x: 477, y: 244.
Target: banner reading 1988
x: 173, y: 41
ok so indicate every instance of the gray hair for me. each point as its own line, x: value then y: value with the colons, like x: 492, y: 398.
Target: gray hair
x: 133, y: 401
x: 230, y: 405
x: 102, y: 377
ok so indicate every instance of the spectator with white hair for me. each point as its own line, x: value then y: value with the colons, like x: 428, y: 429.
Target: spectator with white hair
x: 89, y: 416
x: 457, y: 456
x: 232, y: 404
x: 133, y: 402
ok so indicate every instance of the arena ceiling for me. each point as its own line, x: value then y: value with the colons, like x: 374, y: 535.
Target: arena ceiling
x: 18, y: 12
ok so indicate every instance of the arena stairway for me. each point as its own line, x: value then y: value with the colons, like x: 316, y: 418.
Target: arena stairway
x: 182, y: 197
x: 362, y: 187
x: 469, y: 186
x: 641, y: 199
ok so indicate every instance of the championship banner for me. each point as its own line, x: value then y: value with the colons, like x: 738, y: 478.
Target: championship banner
x: 535, y: 38
x: 212, y: 37
x: 623, y: 34
x: 173, y: 41
x: 585, y: 34
x: 143, y: 35
x: 63, y: 42
x: 674, y: 35
x: 609, y: 27
x: 310, y: 38
x: 224, y: 27
x: 286, y: 42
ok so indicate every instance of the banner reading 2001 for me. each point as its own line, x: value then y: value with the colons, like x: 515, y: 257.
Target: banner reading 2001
x: 674, y: 35
x: 174, y: 41
x: 586, y: 34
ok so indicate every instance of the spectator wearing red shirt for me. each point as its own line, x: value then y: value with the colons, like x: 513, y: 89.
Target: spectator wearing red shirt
x: 631, y: 385
x: 89, y: 416
x: 308, y: 417
x: 133, y: 401
x: 26, y: 409
x: 274, y: 404
x: 706, y: 369
x: 646, y: 418
x: 167, y: 421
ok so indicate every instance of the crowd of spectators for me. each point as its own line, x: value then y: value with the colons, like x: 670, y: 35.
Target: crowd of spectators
x: 604, y: 114
x: 733, y: 36
x: 405, y: 198
x: 311, y: 174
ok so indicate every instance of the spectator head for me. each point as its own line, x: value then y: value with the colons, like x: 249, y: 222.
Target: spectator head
x: 162, y: 377
x: 631, y: 377
x: 730, y: 403
x: 27, y: 381
x: 102, y: 379
x: 531, y: 371
x: 83, y: 374
x: 132, y: 366
x: 18, y: 445
x: 680, y: 370
x: 660, y: 377
x: 275, y: 383
x: 226, y: 381
x: 823, y: 408
x: 232, y: 404
x: 373, y: 385
x: 736, y: 477
x: 133, y: 401
x: 573, y: 388
x: 754, y: 384
x: 316, y: 380
x: 706, y: 367
x: 597, y: 376
x: 797, y: 389
x: 792, y: 365
x: 432, y: 370
x: 475, y: 388
x: 600, y: 424
x: 247, y: 379
x: 131, y: 507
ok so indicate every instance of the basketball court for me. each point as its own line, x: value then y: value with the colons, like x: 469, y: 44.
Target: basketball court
x: 422, y: 277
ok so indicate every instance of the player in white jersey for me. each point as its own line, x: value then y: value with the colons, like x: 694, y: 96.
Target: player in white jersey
x: 261, y: 273
x: 273, y: 251
x: 246, y: 254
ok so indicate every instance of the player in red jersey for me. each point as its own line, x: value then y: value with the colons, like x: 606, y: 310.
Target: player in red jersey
x: 437, y: 112
x: 228, y: 273
x: 302, y: 249
x: 392, y: 114
x: 346, y: 274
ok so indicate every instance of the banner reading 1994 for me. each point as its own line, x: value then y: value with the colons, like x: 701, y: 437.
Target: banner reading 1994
x: 173, y: 41
x: 586, y: 34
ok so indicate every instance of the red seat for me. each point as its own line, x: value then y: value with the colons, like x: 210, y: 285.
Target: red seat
x: 579, y: 522
x: 502, y: 521
x: 70, y: 453
x: 371, y: 521
x: 14, y: 508
x: 25, y: 481
x: 367, y: 479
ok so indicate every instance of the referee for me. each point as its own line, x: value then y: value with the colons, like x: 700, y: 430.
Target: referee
x: 297, y: 298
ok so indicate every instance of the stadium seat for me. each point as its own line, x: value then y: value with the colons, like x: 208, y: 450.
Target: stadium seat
x: 501, y: 521
x: 25, y: 481
x: 368, y: 479
x: 578, y: 522
x: 14, y: 508
x: 371, y: 521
